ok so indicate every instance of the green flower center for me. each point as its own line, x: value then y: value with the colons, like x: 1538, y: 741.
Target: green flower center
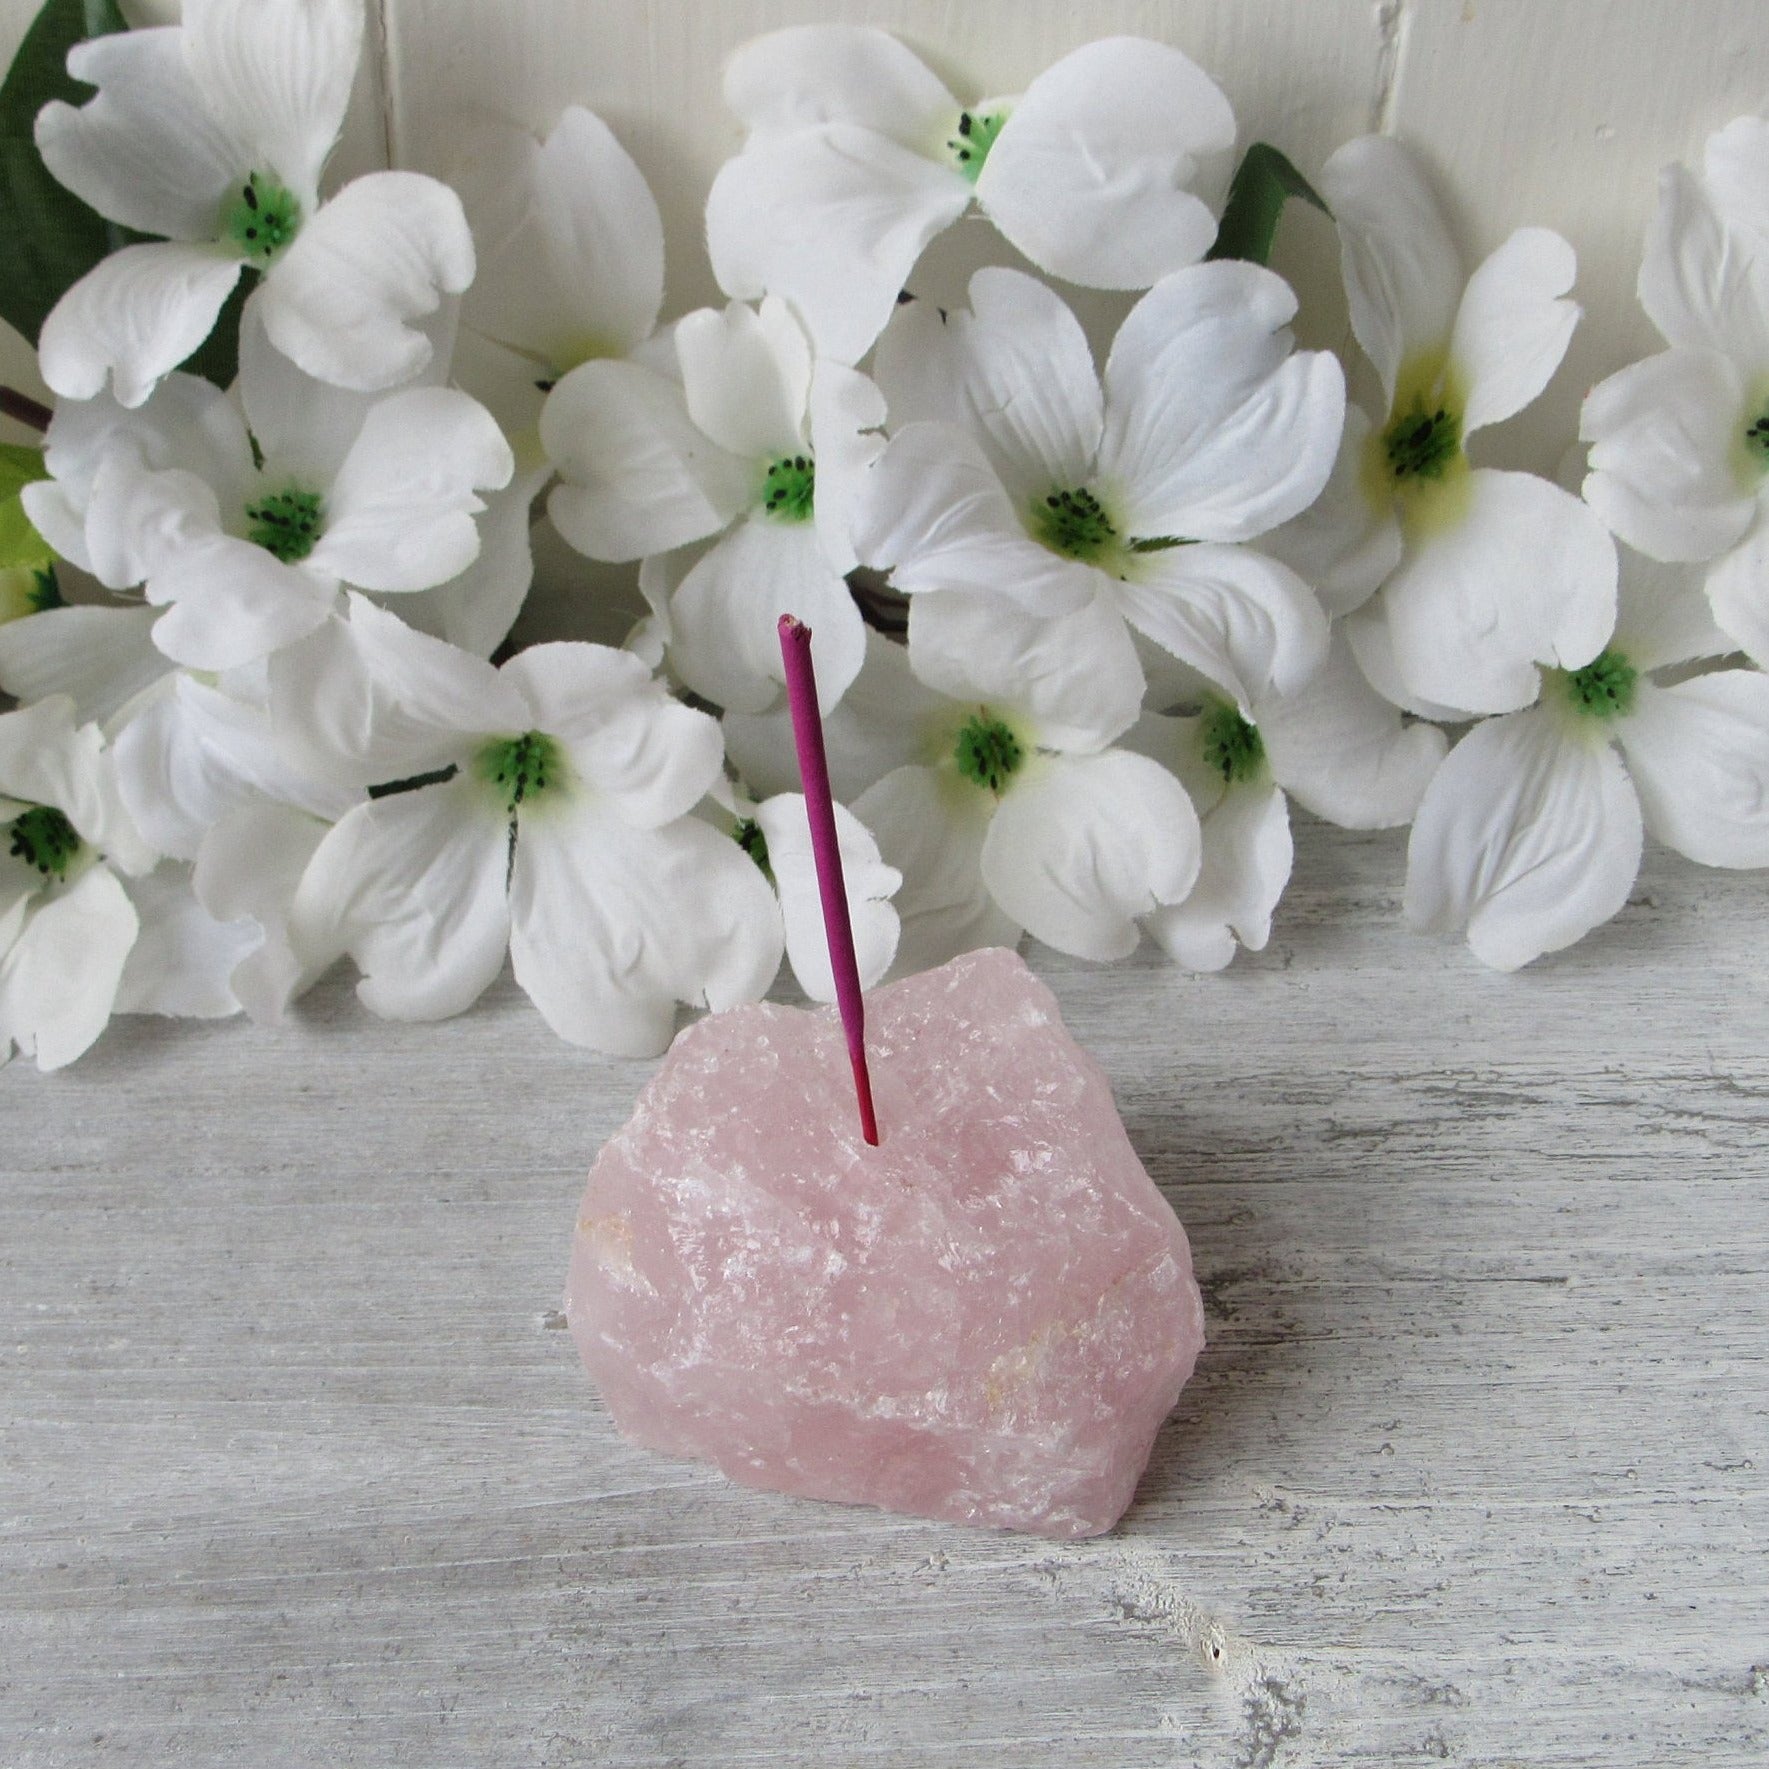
x: 1074, y: 524
x: 970, y: 142
x: 789, y: 488
x: 1233, y: 748
x: 42, y: 837
x: 286, y: 524
x: 521, y: 769
x: 1423, y: 442
x: 1756, y: 442
x: 987, y: 752
x: 261, y: 220
x: 749, y: 837
x: 1604, y: 688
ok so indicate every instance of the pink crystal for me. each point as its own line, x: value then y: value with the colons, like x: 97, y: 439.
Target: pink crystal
x: 983, y: 1320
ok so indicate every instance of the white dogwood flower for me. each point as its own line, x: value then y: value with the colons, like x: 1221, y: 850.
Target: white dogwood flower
x: 212, y: 135
x: 1005, y: 805
x: 1680, y: 442
x: 1013, y: 474
x: 67, y: 923
x: 546, y: 813
x: 1530, y: 834
x: 857, y: 156
x: 1483, y: 575
x: 1335, y: 745
x: 756, y: 450
x: 244, y: 521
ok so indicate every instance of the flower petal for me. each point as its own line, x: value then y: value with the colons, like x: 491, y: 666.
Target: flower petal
x: 45, y: 759
x: 1664, y: 616
x: 747, y: 377
x: 1015, y: 372
x: 1089, y: 175
x: 629, y: 740
x: 1738, y: 590
x: 577, y: 272
x: 1512, y: 327
x: 940, y: 519
x: 1699, y: 756
x: 194, y: 754
x: 1247, y: 853
x: 381, y: 254
x: 477, y: 607
x: 1247, y: 623
x: 412, y: 886
x: 833, y: 220
x: 1343, y: 544
x: 1342, y: 750
x: 233, y: 603
x: 612, y: 926
x: 1527, y: 836
x: 638, y: 476
x: 134, y: 317
x: 304, y: 428
x: 1372, y: 643
x: 883, y: 722
x: 1526, y: 576
x: 100, y: 657
x: 182, y: 958
x: 145, y: 152
x: 1403, y: 276
x: 58, y: 980
x: 1703, y: 284
x: 1081, y: 846
x: 847, y: 438
x: 276, y: 76
x: 1214, y: 429
x: 724, y: 619
x: 250, y: 867
x: 807, y: 75
x: 1075, y: 676
x: 932, y: 831
x: 1664, y: 434
x: 400, y: 514
x: 868, y: 882
x: 367, y: 701
x: 1735, y: 172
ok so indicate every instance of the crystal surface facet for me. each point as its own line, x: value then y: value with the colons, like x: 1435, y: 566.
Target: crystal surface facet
x: 984, y: 1320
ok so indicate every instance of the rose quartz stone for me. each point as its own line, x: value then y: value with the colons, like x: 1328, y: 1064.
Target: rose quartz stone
x: 985, y: 1319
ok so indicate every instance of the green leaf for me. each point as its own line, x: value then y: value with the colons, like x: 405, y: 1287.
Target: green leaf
x: 52, y: 238
x: 20, y: 544
x: 1264, y: 181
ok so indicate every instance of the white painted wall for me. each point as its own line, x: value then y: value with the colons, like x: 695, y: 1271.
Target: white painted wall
x: 1551, y: 111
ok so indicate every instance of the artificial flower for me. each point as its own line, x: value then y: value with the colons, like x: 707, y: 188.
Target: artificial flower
x: 1012, y: 474
x: 67, y: 923
x: 243, y: 522
x: 857, y: 156
x: 1335, y: 745
x: 1680, y: 442
x: 756, y: 450
x: 1530, y: 834
x: 541, y: 810
x: 1012, y: 809
x: 212, y: 135
x: 1483, y: 575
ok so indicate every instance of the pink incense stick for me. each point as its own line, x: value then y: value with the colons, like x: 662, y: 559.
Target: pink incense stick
x: 807, y: 732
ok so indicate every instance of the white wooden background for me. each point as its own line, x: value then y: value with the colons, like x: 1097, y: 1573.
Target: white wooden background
x: 297, y: 1466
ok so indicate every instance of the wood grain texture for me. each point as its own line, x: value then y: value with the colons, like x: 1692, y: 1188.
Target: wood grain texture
x: 299, y: 1467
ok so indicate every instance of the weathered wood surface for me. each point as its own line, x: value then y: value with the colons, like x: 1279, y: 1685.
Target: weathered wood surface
x: 298, y: 1467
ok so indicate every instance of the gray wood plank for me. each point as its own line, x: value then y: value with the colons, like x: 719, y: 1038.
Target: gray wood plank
x: 299, y: 1468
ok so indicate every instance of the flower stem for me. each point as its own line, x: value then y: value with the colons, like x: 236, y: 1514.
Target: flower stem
x: 24, y: 409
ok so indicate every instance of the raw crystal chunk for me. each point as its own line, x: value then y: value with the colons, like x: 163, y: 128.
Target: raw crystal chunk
x: 985, y: 1319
